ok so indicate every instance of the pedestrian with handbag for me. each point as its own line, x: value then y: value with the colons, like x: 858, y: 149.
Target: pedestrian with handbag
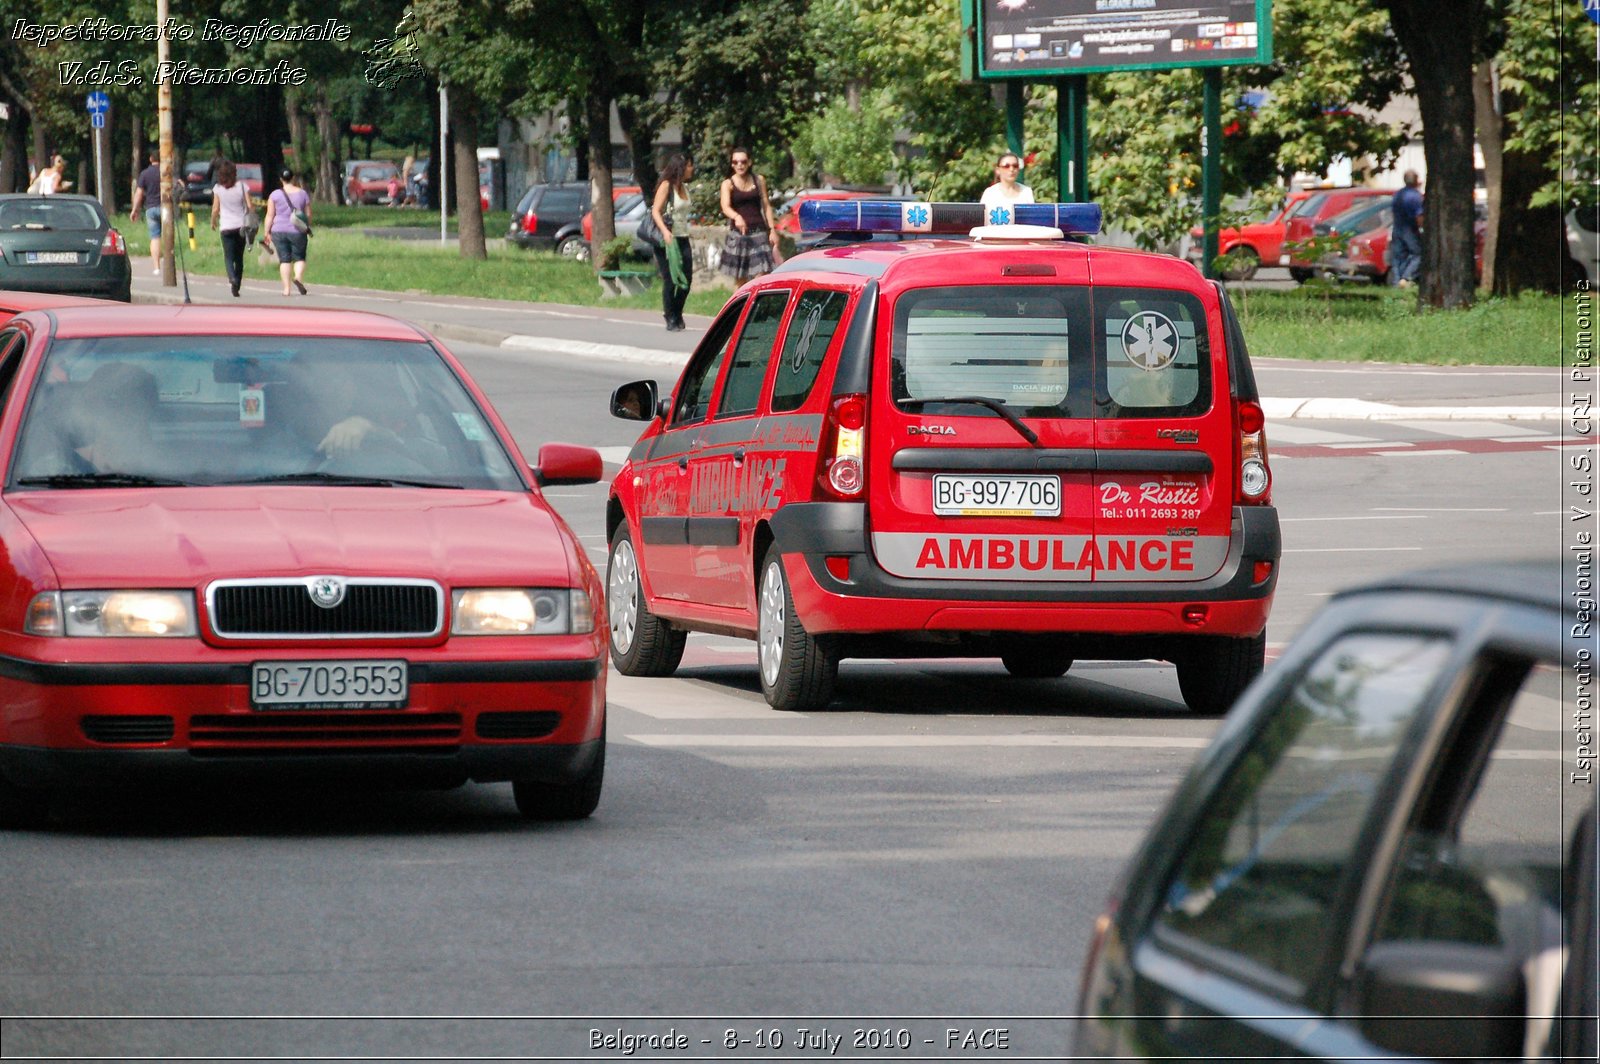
x: 752, y: 245
x: 288, y: 225
x: 232, y: 215
x: 669, y: 211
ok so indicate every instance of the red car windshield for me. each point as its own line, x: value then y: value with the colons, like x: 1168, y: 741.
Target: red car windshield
x: 131, y: 410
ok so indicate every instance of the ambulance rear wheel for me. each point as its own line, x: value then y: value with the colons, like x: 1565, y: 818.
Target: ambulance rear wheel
x: 642, y: 644
x: 1035, y: 665
x: 1213, y: 672
x: 797, y: 669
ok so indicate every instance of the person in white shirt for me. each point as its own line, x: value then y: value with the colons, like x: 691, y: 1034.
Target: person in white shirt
x: 230, y: 210
x: 1006, y: 191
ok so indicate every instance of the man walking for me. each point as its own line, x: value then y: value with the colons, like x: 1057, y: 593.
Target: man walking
x: 1405, y: 233
x: 147, y: 193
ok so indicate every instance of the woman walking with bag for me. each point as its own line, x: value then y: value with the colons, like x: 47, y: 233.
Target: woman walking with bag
x: 674, y: 261
x: 231, y: 214
x: 288, y: 226
x: 752, y: 246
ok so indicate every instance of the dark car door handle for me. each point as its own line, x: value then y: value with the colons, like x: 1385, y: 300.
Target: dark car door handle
x: 738, y: 456
x: 683, y: 462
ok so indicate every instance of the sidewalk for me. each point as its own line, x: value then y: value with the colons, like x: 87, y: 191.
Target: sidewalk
x: 1291, y: 389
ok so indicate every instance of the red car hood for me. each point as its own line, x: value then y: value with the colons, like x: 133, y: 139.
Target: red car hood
x: 186, y: 537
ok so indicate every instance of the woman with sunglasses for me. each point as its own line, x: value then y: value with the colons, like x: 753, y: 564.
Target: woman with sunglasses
x: 752, y: 245
x: 1006, y: 190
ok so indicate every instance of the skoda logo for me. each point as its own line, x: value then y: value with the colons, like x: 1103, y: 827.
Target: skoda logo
x: 326, y: 591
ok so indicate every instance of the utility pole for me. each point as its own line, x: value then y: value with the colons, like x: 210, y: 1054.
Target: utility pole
x: 169, y: 271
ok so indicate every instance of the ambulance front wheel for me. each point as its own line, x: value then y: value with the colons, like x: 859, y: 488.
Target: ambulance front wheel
x: 642, y: 644
x: 797, y: 669
x: 1214, y: 671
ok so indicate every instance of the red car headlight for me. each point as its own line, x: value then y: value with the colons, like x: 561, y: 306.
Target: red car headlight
x: 113, y: 613
x: 520, y: 611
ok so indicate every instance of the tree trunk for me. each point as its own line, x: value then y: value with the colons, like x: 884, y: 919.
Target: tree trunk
x: 1440, y: 51
x: 1491, y: 138
x: 640, y: 134
x: 139, y: 154
x: 329, y: 186
x: 1525, y: 247
x: 597, y: 117
x: 14, y: 156
x: 296, y: 118
x: 469, y: 209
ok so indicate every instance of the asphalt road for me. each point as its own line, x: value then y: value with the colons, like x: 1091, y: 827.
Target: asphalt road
x: 936, y: 847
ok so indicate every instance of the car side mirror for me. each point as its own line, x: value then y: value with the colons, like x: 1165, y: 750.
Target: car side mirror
x: 567, y: 463
x: 636, y: 401
x: 1442, y: 1000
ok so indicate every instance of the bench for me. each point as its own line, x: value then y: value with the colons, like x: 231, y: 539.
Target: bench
x: 625, y: 282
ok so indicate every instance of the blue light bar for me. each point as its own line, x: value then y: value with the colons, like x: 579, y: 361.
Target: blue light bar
x: 895, y: 216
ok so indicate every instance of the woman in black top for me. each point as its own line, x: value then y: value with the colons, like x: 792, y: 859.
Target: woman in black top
x: 752, y: 245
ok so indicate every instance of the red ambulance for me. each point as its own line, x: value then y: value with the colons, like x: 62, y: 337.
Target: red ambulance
x: 1013, y: 445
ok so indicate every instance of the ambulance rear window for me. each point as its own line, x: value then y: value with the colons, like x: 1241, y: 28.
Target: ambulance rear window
x: 1154, y: 352
x: 811, y: 328
x: 1025, y: 346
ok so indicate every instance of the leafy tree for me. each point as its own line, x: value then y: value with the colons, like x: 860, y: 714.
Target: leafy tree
x: 852, y: 143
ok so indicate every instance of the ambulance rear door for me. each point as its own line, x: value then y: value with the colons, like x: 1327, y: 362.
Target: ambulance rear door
x: 981, y: 435
x: 1165, y: 478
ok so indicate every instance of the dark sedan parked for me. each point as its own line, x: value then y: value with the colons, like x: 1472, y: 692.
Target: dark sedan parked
x: 551, y: 217
x: 1388, y: 850
x: 62, y: 244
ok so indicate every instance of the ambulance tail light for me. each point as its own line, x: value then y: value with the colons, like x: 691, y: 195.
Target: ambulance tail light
x: 842, y: 472
x: 1255, y: 478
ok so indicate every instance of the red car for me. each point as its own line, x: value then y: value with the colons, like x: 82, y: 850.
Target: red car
x: 1366, y: 257
x: 250, y: 174
x: 953, y: 447
x: 369, y: 181
x: 1252, y: 245
x: 1321, y: 205
x: 13, y: 303
x: 788, y: 218
x: 271, y: 542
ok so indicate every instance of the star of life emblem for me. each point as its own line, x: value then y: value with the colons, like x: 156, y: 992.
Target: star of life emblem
x: 326, y: 591
x: 916, y: 217
x: 999, y: 215
x: 1149, y: 340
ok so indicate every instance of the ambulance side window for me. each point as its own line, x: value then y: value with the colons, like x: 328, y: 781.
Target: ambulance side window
x: 1155, y: 354
x: 741, y: 393
x: 693, y: 401
x: 816, y: 318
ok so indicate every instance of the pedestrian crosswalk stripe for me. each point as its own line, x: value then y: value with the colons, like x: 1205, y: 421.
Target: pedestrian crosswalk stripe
x: 1147, y: 742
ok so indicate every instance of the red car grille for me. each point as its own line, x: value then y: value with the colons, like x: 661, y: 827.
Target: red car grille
x: 263, y: 610
x: 324, y: 729
x: 127, y: 729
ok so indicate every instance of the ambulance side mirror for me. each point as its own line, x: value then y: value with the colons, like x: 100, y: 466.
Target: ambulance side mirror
x: 635, y: 401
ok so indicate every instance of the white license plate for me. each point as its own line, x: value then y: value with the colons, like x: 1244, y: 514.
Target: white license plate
x: 53, y: 258
x: 328, y: 684
x: 1011, y: 496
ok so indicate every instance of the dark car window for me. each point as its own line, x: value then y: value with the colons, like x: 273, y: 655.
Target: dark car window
x: 11, y: 344
x: 1308, y: 207
x: 1025, y: 347
x: 693, y: 400
x: 527, y: 200
x: 48, y: 214
x: 816, y: 318
x: 563, y: 202
x: 741, y: 392
x: 1155, y: 352
x: 249, y: 409
x: 1261, y: 874
x: 1485, y: 866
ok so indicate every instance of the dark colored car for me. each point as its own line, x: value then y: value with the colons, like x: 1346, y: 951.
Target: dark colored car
x: 550, y: 217
x: 63, y: 244
x: 1387, y: 851
x: 197, y: 182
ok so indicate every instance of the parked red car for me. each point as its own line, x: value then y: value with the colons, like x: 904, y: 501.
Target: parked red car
x: 1255, y: 244
x: 788, y: 219
x: 250, y: 174
x: 1367, y: 256
x: 1321, y: 205
x: 194, y: 586
x: 369, y: 181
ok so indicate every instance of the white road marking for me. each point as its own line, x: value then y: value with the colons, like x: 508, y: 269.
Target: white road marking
x: 1419, y: 453
x: 1476, y: 430
x: 1358, y: 517
x: 686, y: 701
x: 1343, y: 550
x: 614, y: 455
x: 844, y: 742
x: 1279, y: 432
x: 1445, y: 509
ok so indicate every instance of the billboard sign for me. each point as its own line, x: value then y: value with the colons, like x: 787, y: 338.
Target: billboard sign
x: 1044, y: 38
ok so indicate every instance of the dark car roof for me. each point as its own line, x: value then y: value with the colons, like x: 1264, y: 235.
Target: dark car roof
x: 119, y: 319
x: 1532, y: 582
x: 57, y: 197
